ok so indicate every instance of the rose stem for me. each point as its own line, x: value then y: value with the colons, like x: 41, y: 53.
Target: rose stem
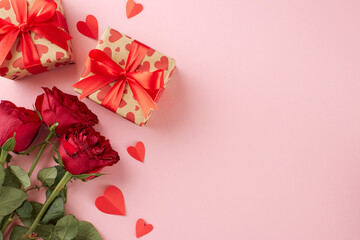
x: 43, y: 146
x: 7, y: 222
x: 65, y: 179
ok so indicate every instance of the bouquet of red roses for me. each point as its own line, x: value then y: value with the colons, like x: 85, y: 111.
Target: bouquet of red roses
x: 80, y: 153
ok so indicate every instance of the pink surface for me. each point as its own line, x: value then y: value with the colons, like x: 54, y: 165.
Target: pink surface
x: 258, y: 134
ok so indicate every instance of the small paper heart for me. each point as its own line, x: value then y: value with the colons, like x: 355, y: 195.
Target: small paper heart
x: 133, y: 9
x: 137, y: 152
x: 89, y: 28
x: 112, y: 202
x: 142, y: 228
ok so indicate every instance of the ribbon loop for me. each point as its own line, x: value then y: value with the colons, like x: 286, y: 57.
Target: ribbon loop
x: 145, y: 86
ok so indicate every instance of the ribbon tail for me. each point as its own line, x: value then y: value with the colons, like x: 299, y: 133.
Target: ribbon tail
x: 53, y: 34
x: 114, y: 96
x: 6, y: 42
x: 93, y: 83
x: 31, y: 56
x: 145, y: 101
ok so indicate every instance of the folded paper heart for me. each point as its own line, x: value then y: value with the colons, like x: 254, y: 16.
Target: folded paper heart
x: 89, y: 28
x: 142, y: 228
x: 133, y: 9
x: 112, y: 202
x: 137, y: 152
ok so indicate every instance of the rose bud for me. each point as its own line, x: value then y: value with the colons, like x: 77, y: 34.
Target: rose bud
x: 83, y: 151
x: 23, y: 122
x: 56, y: 106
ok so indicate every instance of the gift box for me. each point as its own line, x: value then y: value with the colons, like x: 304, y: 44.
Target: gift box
x: 125, y: 76
x: 35, y: 37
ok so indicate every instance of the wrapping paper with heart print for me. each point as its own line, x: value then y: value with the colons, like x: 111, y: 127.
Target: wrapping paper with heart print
x: 117, y: 46
x: 51, y: 55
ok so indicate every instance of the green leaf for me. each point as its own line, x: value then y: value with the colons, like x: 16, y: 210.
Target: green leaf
x: 55, y: 211
x: 10, y: 199
x: 10, y: 179
x: 38, y: 113
x: 60, y: 173
x: 87, y: 232
x: 1, y: 236
x: 17, y: 232
x: 8, y: 158
x: 21, y: 175
x: 66, y: 228
x: 58, y: 158
x: 25, y: 210
x: 45, y: 231
x: 2, y: 175
x: 36, y: 209
x: 52, y: 128
x: 47, y: 176
x: 9, y: 145
x: 2, y: 219
x: 85, y: 176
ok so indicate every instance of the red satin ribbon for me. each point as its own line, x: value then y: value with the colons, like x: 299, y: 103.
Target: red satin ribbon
x: 41, y: 19
x: 145, y: 86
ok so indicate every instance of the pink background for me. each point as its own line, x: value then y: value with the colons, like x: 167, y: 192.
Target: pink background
x: 258, y: 134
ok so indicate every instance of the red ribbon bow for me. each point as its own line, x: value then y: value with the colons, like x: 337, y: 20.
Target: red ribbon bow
x: 41, y: 19
x: 145, y: 86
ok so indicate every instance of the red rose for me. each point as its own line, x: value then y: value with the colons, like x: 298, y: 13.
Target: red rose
x: 24, y: 122
x: 83, y: 150
x: 56, y: 106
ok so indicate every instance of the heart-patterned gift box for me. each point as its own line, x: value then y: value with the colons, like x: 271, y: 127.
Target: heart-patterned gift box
x: 50, y: 55
x: 117, y: 47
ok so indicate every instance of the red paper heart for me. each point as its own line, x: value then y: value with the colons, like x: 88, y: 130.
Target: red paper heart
x: 112, y: 202
x: 142, y: 228
x: 137, y: 152
x: 89, y: 28
x: 133, y: 9
x: 163, y: 63
x: 117, y: 49
x: 122, y: 62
